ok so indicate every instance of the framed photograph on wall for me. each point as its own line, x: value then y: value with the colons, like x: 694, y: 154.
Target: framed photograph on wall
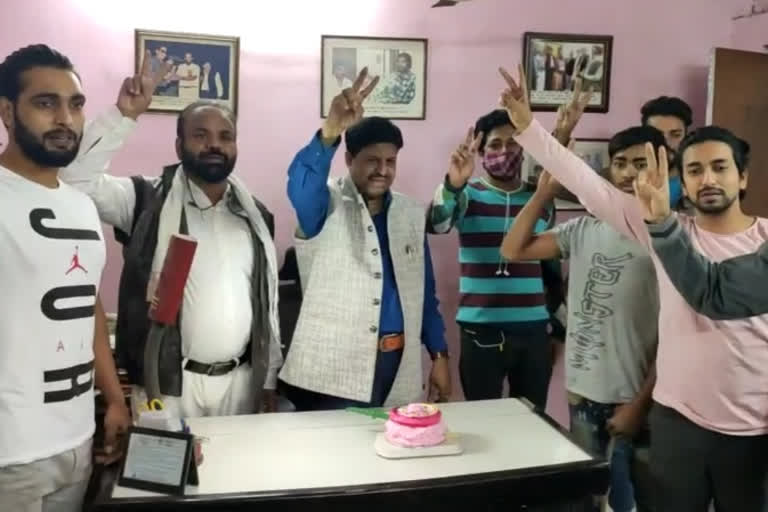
x: 202, y: 67
x: 549, y: 61
x: 400, y: 63
x: 593, y: 151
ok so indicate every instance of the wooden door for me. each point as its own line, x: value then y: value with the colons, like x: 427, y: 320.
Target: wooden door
x: 738, y: 100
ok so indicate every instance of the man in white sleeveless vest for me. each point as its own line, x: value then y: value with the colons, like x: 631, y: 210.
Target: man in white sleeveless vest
x: 369, y: 291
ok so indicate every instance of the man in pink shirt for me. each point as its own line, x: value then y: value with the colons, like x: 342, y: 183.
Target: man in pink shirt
x: 709, y: 424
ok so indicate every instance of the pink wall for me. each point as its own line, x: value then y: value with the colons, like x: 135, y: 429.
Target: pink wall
x: 657, y: 50
x: 750, y: 34
x: 279, y: 85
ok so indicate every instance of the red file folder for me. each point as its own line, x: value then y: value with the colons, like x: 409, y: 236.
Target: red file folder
x: 173, y: 278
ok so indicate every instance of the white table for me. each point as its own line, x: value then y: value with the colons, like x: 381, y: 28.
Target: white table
x: 270, y: 456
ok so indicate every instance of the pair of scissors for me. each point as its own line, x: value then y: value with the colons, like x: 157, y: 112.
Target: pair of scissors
x: 153, y: 405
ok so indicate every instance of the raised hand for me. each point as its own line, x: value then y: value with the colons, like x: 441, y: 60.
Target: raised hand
x: 463, y: 159
x: 568, y: 115
x: 652, y: 185
x: 347, y: 108
x: 514, y: 99
x: 136, y: 92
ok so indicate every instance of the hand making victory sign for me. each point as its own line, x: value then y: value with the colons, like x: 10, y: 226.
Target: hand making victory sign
x: 463, y: 159
x: 347, y: 108
x: 135, y: 94
x: 568, y: 115
x: 652, y: 185
x: 514, y: 99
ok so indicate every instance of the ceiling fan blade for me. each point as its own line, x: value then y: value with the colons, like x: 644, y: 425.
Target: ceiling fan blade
x: 445, y: 3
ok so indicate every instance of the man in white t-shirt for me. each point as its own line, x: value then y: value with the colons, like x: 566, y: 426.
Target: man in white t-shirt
x: 189, y: 79
x: 53, y: 336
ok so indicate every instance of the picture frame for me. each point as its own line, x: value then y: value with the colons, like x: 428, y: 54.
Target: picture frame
x: 593, y: 151
x: 203, y: 67
x: 400, y: 64
x: 549, y: 60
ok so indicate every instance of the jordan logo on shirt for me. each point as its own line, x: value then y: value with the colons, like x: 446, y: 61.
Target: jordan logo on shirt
x: 75, y: 265
x: 43, y: 221
x: 74, y: 380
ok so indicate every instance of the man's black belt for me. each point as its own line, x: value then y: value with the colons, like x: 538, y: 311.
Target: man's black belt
x: 215, y: 369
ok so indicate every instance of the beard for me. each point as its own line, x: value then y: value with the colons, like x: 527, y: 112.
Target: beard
x: 709, y: 206
x: 35, y: 149
x: 208, y: 171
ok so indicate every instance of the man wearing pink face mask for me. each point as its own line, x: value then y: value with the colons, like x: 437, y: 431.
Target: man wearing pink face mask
x: 502, y: 313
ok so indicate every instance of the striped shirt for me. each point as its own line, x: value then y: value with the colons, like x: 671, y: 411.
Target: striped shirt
x: 492, y: 290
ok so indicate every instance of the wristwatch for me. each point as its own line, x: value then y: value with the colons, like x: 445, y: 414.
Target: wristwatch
x: 440, y: 354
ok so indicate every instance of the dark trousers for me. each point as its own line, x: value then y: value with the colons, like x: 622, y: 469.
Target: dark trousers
x: 692, y: 466
x: 387, y: 364
x: 490, y: 355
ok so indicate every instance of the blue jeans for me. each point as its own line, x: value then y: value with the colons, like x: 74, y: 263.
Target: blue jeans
x: 588, y: 427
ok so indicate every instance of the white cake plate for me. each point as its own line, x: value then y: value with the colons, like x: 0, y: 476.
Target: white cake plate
x: 450, y: 446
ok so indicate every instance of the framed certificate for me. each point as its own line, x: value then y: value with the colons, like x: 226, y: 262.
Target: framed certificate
x: 158, y: 461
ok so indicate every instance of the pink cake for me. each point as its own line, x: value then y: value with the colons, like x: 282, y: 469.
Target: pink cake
x: 415, y: 425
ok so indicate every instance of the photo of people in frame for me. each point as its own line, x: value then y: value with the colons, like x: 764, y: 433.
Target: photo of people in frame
x: 400, y: 65
x: 553, y: 62
x: 201, y: 67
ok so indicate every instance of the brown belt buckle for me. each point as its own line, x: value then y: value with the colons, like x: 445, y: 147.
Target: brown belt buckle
x: 391, y: 342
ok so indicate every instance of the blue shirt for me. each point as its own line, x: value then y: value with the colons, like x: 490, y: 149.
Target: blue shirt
x: 310, y: 197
